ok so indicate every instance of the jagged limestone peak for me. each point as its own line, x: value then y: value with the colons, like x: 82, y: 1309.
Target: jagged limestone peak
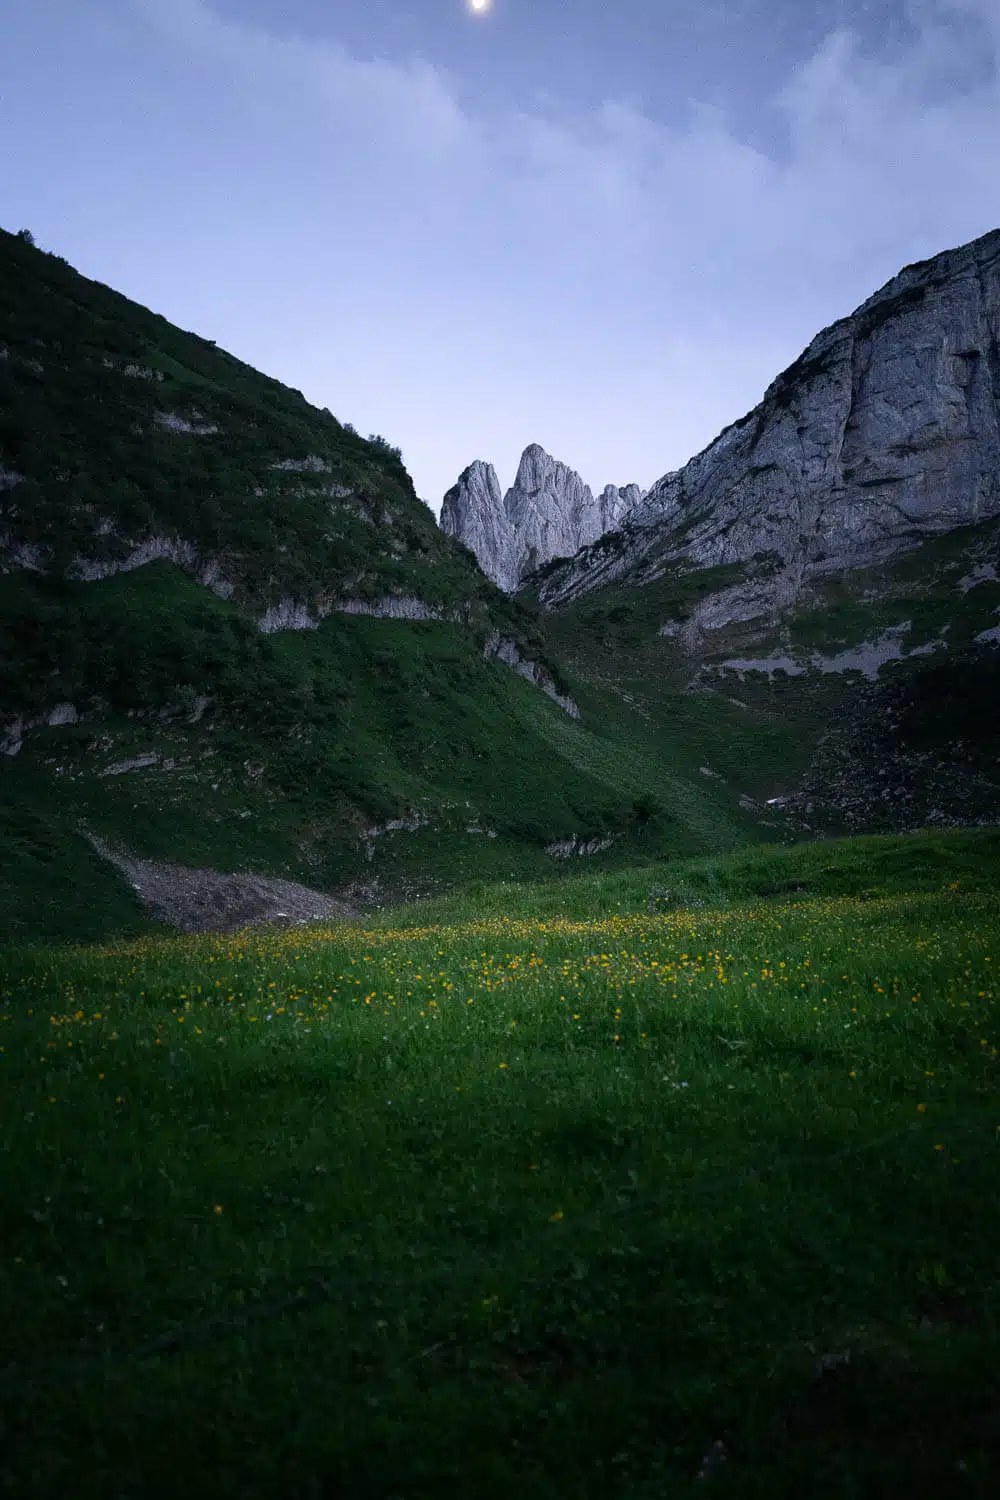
x: 548, y: 512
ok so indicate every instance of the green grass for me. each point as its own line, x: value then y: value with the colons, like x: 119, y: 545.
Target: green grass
x: 543, y: 1201
x: 308, y: 737
x: 926, y: 729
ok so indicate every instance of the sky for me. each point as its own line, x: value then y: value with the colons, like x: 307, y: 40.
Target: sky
x: 601, y: 227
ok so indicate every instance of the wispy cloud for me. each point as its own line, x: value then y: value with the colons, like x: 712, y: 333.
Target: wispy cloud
x: 409, y: 107
x: 683, y: 248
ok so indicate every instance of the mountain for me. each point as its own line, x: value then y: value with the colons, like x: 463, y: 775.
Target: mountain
x: 884, y: 431
x: 238, y: 657
x: 827, y: 570
x: 245, y: 675
x: 547, y: 513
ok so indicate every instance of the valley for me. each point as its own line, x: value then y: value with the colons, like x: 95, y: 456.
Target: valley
x: 475, y: 1019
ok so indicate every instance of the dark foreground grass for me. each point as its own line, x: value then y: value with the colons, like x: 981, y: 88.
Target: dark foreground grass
x: 546, y: 1207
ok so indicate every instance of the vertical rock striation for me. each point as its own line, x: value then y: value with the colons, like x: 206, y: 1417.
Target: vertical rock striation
x: 473, y: 512
x: 885, y: 430
x: 548, y: 512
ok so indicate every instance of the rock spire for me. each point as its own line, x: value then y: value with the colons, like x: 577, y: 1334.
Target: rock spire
x: 548, y: 512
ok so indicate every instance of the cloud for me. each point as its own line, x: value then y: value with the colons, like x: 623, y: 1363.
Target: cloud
x: 583, y: 250
x: 410, y: 106
x: 866, y: 137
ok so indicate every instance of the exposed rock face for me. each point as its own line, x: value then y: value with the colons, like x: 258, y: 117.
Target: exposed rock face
x: 548, y: 512
x: 502, y: 648
x: 567, y: 848
x: 615, y: 504
x: 473, y: 511
x: 886, y: 430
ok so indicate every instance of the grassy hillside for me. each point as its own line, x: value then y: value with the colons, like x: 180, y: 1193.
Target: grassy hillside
x: 869, y: 703
x: 117, y: 426
x: 312, y: 739
x: 599, y: 1196
x: 157, y: 499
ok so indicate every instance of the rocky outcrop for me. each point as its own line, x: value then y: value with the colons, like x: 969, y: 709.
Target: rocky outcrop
x: 582, y: 848
x: 548, y: 512
x: 292, y: 614
x: 502, y: 648
x: 473, y: 512
x: 615, y: 504
x: 195, y: 426
x: 885, y: 430
x: 393, y: 607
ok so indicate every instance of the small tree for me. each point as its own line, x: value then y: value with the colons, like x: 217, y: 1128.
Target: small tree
x: 26, y: 235
x: 384, y: 446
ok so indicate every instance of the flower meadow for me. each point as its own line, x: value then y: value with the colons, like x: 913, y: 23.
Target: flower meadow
x: 619, y: 1206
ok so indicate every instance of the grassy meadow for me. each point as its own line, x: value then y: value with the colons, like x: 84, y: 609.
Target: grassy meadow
x: 632, y: 1186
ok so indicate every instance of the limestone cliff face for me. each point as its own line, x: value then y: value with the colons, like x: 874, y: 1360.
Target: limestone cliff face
x: 548, y: 512
x: 615, y: 504
x: 886, y: 430
x: 473, y: 511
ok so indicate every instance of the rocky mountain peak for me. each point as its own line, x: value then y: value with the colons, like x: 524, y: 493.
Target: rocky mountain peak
x: 473, y: 511
x: 885, y: 431
x: 548, y: 512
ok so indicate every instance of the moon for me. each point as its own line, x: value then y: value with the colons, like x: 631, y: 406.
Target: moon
x: 479, y: 7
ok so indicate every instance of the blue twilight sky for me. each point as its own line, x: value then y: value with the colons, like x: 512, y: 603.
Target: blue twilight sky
x: 601, y: 227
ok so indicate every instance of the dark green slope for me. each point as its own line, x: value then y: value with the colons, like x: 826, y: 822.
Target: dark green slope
x: 119, y: 427
x: 157, y: 499
x: 797, y: 707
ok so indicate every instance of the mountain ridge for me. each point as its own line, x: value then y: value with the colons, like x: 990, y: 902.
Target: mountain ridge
x: 883, y: 430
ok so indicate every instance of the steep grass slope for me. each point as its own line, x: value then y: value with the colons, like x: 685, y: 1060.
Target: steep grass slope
x: 232, y: 636
x: 867, y: 703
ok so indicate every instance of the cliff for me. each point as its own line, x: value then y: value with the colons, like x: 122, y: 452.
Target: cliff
x: 884, y: 431
x: 548, y: 512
